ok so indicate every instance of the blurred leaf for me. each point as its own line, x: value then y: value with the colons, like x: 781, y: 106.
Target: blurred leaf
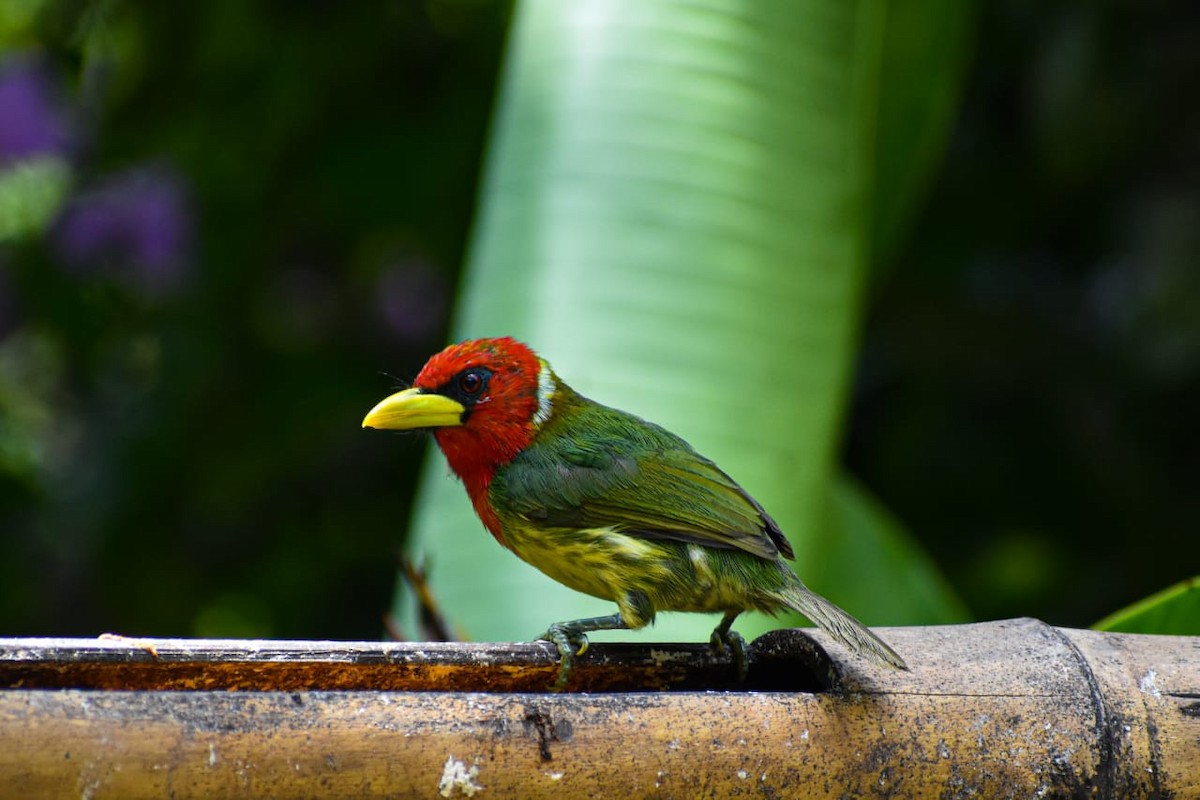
x: 926, y: 53
x: 31, y: 193
x: 31, y: 434
x: 870, y: 561
x: 676, y: 214
x: 1175, y: 610
x: 864, y: 557
x: 234, y: 614
x: 17, y: 19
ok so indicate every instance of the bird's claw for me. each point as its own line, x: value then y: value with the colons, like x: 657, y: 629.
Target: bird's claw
x: 733, y: 641
x: 570, y: 643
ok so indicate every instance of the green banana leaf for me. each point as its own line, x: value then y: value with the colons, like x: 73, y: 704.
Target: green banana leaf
x: 1175, y: 610
x: 677, y: 213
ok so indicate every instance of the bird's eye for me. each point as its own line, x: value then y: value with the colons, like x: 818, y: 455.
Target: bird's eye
x: 470, y: 383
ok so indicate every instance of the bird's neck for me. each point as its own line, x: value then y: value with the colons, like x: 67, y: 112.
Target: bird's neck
x: 474, y: 458
x: 493, y: 437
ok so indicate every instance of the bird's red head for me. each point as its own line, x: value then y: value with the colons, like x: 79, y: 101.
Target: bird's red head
x: 496, y: 382
x: 484, y: 400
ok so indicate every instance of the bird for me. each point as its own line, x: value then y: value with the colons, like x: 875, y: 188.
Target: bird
x: 606, y: 503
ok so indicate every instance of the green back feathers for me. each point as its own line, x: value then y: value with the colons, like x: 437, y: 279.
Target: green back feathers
x: 592, y: 466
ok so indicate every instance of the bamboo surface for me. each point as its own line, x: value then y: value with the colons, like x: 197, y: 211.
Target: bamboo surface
x: 1004, y: 709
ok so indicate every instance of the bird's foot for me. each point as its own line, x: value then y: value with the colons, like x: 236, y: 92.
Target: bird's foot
x: 571, y: 642
x: 723, y: 638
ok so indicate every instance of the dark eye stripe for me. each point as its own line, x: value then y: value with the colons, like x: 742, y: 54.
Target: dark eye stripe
x: 469, y: 386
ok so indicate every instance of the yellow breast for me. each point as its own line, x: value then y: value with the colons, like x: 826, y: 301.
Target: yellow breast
x: 601, y: 562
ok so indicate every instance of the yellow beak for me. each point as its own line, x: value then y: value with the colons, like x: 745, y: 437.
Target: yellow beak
x: 413, y: 408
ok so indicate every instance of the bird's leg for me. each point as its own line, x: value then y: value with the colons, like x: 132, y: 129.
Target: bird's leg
x: 723, y: 637
x: 571, y: 640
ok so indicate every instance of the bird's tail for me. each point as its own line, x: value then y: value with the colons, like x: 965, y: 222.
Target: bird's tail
x: 840, y: 625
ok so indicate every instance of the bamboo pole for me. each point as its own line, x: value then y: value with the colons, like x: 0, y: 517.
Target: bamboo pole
x: 1003, y: 709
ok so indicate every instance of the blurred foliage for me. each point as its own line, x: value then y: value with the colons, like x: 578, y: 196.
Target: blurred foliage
x: 872, y: 562
x: 1031, y: 366
x: 257, y: 208
x: 270, y: 208
x: 1175, y: 610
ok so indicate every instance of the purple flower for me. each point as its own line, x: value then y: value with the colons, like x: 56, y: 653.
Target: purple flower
x: 136, y: 226
x: 33, y: 119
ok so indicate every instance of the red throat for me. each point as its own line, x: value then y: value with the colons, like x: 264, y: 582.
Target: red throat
x: 499, y: 426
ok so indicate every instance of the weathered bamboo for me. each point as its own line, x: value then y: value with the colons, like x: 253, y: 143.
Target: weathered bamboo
x: 1004, y: 709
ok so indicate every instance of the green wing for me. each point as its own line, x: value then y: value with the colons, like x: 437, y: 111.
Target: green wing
x: 594, y: 466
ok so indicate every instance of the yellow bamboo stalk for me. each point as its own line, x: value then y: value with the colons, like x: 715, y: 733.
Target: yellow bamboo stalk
x: 1004, y: 709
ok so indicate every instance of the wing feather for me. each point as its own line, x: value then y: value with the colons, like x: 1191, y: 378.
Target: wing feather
x: 600, y: 467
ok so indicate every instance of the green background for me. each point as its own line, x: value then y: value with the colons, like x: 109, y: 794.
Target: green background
x: 179, y: 442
